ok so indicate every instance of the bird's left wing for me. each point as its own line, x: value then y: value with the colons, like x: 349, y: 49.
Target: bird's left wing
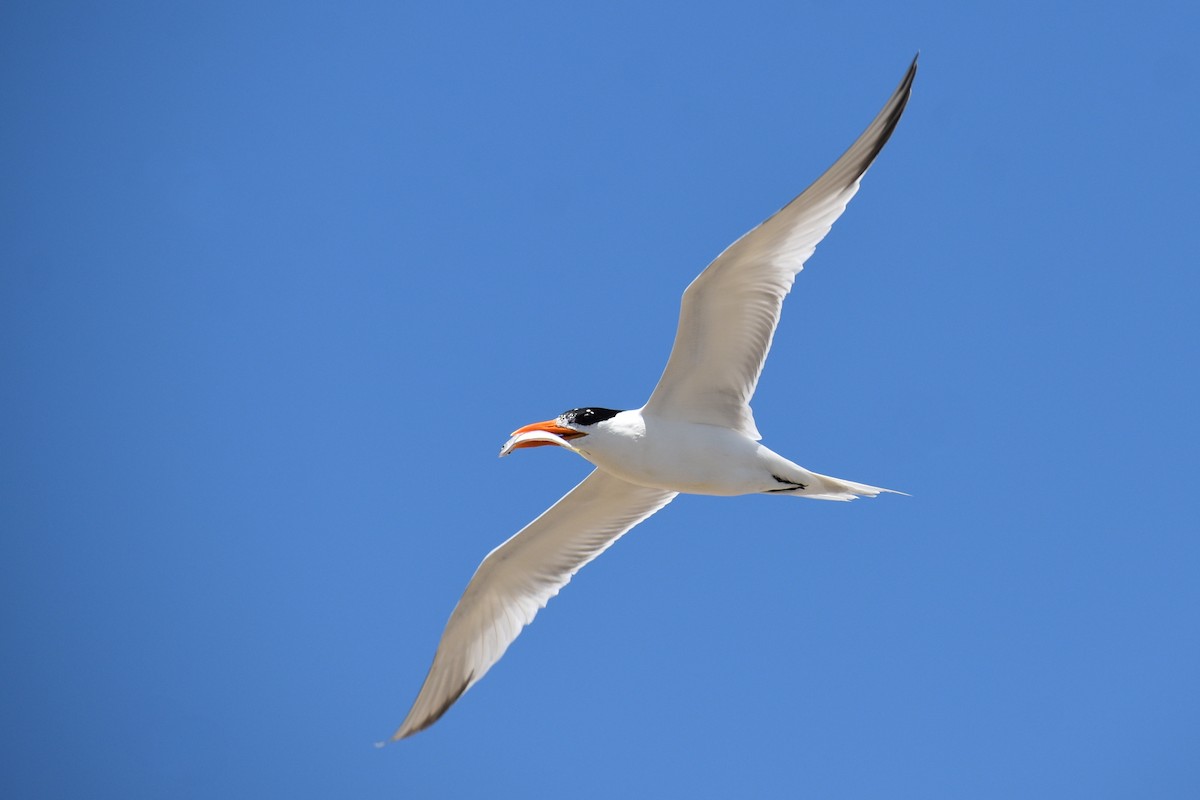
x: 519, y: 577
x: 729, y: 313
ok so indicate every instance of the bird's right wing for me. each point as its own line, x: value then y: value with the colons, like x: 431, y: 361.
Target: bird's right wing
x: 730, y: 311
x: 519, y: 577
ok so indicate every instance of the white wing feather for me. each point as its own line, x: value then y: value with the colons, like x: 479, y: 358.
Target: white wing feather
x: 730, y: 311
x: 519, y: 577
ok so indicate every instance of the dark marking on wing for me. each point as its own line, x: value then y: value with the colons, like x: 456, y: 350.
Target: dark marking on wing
x: 444, y: 707
x: 903, y: 92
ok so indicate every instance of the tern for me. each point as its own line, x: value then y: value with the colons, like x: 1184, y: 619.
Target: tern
x: 696, y: 433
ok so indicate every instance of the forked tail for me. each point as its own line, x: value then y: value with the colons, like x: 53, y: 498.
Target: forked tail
x: 827, y: 488
x: 803, y: 483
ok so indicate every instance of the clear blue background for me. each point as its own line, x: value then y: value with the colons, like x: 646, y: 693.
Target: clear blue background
x: 277, y: 280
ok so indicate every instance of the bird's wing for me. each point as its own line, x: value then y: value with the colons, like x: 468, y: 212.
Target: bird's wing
x: 730, y: 310
x: 519, y: 577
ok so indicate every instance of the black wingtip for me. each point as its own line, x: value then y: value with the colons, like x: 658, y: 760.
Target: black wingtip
x: 436, y: 714
x: 907, y: 82
x: 891, y: 114
x: 909, y: 77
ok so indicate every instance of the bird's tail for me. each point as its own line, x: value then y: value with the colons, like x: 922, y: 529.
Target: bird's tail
x: 824, y: 487
x: 798, y: 481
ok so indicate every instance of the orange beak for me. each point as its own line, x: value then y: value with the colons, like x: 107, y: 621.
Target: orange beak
x: 549, y: 426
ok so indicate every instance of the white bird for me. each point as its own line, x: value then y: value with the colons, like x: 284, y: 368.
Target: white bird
x: 696, y: 434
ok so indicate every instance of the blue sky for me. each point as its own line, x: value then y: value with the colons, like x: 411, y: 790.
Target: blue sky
x: 276, y: 282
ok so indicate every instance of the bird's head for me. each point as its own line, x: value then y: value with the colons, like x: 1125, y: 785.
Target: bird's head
x: 558, y: 431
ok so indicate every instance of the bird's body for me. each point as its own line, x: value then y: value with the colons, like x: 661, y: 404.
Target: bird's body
x: 677, y: 455
x: 697, y: 458
x: 696, y: 434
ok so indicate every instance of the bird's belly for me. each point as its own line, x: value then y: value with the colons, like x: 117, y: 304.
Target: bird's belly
x: 697, y: 459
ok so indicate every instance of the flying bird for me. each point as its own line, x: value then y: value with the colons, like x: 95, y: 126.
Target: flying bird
x: 696, y: 433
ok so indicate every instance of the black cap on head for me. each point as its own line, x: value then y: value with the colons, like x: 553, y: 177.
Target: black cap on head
x: 588, y: 416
